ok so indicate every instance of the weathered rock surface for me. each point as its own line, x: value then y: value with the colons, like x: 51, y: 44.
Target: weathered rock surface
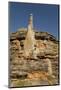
x: 23, y: 68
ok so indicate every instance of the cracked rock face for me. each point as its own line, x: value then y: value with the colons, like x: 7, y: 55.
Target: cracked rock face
x: 40, y: 67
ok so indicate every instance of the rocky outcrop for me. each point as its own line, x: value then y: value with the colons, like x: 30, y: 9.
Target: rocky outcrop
x: 40, y: 70
x: 21, y: 34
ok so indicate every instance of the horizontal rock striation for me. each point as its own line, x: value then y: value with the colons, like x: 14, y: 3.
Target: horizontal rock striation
x: 29, y: 68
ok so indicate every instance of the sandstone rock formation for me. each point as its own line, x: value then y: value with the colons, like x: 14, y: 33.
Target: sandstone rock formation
x: 34, y: 58
x: 21, y: 66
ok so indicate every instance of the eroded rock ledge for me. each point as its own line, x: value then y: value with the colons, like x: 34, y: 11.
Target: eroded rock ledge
x: 34, y: 71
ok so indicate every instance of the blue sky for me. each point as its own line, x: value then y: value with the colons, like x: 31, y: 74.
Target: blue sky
x: 45, y: 17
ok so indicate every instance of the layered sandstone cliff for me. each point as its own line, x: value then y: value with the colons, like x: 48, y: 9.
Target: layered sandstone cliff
x: 40, y: 66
